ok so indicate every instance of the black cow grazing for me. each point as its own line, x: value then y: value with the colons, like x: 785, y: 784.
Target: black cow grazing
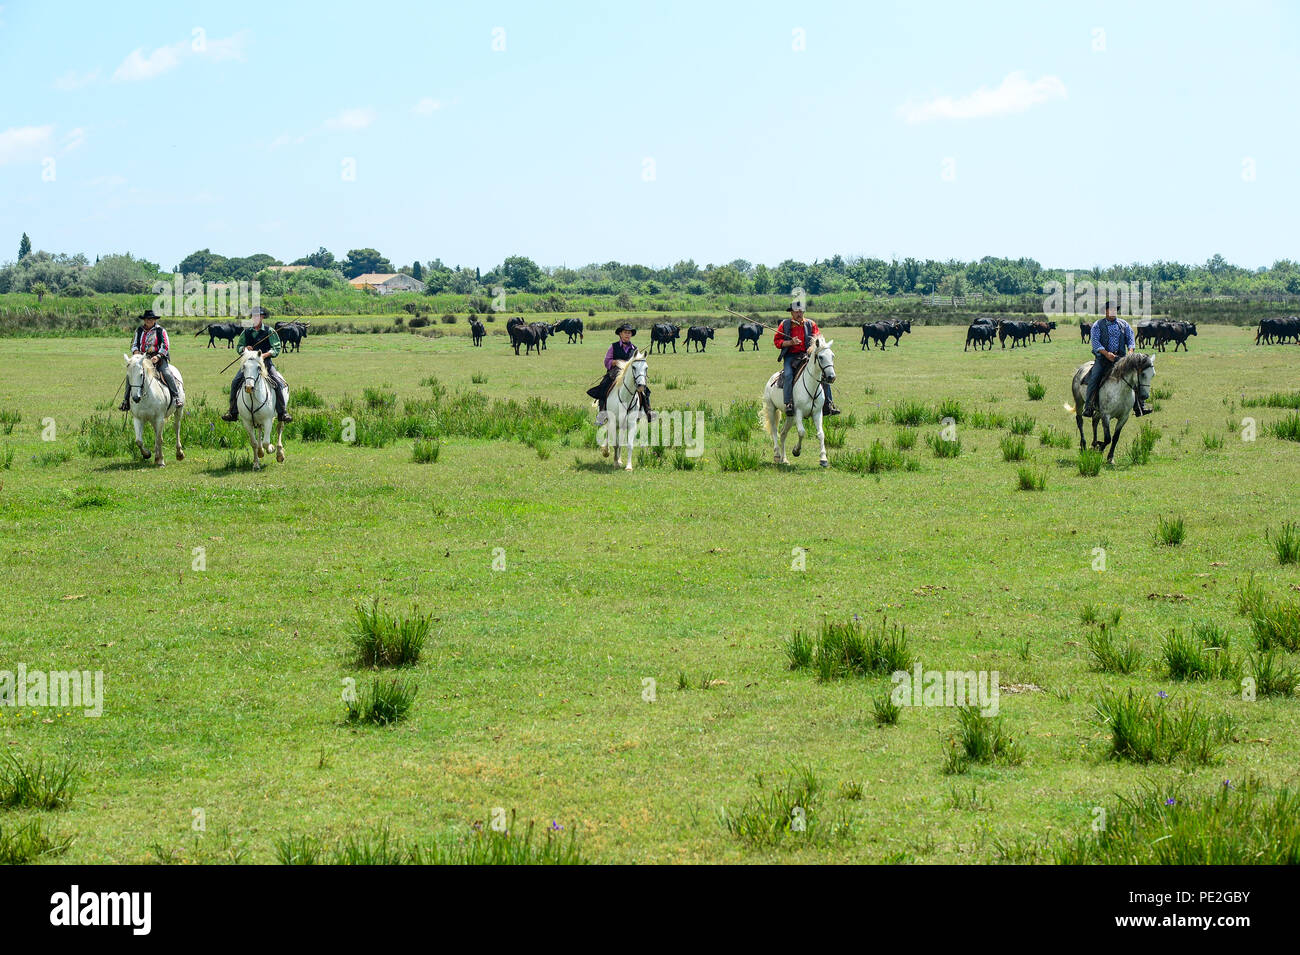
x: 477, y: 331
x: 663, y: 334
x: 1278, y: 330
x: 290, y: 337
x: 228, y: 331
x: 543, y: 332
x: 748, y: 332
x: 571, y: 327
x: 878, y: 332
x: 1018, y: 332
x: 1144, y: 333
x: 1085, y: 331
x: 521, y: 334
x: 1044, y: 329
x: 700, y: 334
x: 900, y: 329
x: 981, y: 333
x: 1175, y: 332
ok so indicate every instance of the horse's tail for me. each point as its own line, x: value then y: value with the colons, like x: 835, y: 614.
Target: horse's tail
x: 765, y: 416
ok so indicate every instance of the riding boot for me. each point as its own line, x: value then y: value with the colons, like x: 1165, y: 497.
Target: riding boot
x: 281, y: 412
x: 126, y: 400
x: 233, y: 413
x: 828, y: 407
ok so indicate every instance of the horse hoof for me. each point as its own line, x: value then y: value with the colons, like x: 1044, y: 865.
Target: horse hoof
x: 180, y: 455
x: 279, y: 456
x: 604, y: 452
x: 825, y: 464
x: 795, y: 452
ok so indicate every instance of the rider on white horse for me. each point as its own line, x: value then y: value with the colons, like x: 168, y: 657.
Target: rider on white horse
x: 265, y: 342
x: 151, y: 341
x: 622, y: 350
x: 792, y: 338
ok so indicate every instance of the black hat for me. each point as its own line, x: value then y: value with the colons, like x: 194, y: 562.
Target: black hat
x: 148, y: 313
x: 257, y: 311
x: 625, y: 327
x: 795, y: 307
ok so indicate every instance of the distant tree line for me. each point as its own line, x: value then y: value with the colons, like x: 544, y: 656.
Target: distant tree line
x: 74, y: 275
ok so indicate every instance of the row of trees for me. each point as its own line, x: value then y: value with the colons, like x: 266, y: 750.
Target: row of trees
x: 73, y: 274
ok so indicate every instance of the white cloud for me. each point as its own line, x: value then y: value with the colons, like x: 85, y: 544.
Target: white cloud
x: 287, y: 139
x: 351, y: 119
x: 426, y: 107
x: 74, y: 139
x: 137, y: 66
x: 1016, y: 94
x: 25, y: 142
x: 72, y: 80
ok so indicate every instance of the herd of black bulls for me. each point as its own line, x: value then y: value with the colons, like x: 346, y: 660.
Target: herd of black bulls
x: 983, y: 331
x: 1278, y: 331
x: 291, y: 334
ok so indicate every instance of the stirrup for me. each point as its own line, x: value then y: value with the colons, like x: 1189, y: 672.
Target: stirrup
x: 230, y: 416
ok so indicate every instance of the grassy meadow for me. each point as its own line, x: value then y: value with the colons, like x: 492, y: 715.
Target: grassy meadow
x: 223, y: 685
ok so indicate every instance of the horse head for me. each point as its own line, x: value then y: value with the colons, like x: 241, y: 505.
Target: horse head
x: 138, y: 374
x: 252, y: 368
x: 825, y: 359
x: 639, y: 369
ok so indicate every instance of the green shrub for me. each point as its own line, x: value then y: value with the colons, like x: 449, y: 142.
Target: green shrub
x: 1287, y: 428
x: 1286, y: 543
x: 942, y: 447
x: 384, y: 702
x: 1170, y: 531
x: 1272, y: 674
x: 905, y: 440
x: 1144, y: 729
x: 1089, y: 462
x: 980, y: 739
x: 382, y: 639
x: 1031, y: 481
x: 1201, y: 655
x: 36, y: 784
x: 1013, y: 448
x: 845, y: 649
x: 1022, y: 424
x: 426, y: 451
x: 788, y: 813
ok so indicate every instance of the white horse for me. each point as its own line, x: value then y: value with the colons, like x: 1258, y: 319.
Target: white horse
x: 152, y: 402
x: 256, y: 403
x: 1130, y: 376
x: 808, y: 400
x: 624, y: 407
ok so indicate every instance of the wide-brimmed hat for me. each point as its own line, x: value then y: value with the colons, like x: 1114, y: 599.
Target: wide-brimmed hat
x: 258, y: 312
x: 795, y: 307
x: 625, y: 327
x: 148, y: 313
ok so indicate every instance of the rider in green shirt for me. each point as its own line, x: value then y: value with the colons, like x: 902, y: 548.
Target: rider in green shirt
x: 262, y: 339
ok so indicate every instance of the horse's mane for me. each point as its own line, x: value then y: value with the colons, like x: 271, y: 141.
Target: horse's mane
x: 261, y: 364
x: 1133, y: 361
x: 622, y: 370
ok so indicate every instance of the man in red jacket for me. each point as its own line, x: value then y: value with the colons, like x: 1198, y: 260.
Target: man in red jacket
x: 791, y: 339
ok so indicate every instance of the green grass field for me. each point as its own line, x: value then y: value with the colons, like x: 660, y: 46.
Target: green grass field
x: 222, y: 686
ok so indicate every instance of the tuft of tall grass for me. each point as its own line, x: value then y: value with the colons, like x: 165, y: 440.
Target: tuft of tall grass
x: 1287, y: 429
x: 1031, y: 481
x: 1022, y: 424
x: 1170, y: 531
x: 1239, y: 824
x: 1139, y: 451
x: 1049, y: 437
x: 37, y: 784
x: 383, y: 703
x: 789, y: 812
x: 980, y: 739
x: 846, y: 648
x: 1202, y: 655
x: 1036, y: 390
x: 8, y: 419
x: 305, y: 396
x: 1108, y: 655
x: 873, y: 460
x: 426, y: 451
x: 22, y: 844
x: 1212, y: 442
x: 1272, y: 674
x: 911, y: 414
x: 1013, y: 448
x: 383, y: 639
x: 942, y: 447
x: 1145, y: 729
x: 885, y: 711
x: 1089, y: 462
x: 1286, y: 543
x: 905, y: 440
x: 1274, y: 622
x: 739, y: 457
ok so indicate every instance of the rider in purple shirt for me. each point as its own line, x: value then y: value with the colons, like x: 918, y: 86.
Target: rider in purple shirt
x: 621, y: 350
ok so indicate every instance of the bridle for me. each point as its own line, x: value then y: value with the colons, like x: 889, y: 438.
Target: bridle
x: 817, y: 374
x: 638, y: 379
x: 252, y: 412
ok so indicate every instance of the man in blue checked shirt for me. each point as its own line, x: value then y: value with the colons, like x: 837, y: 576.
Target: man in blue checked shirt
x: 1112, y: 339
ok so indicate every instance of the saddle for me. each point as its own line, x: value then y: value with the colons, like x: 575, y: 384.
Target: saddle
x: 796, y: 371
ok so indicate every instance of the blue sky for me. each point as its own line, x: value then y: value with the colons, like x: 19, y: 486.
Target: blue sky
x: 162, y: 144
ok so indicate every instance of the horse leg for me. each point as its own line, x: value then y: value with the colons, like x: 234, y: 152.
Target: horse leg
x: 251, y: 428
x: 821, y: 434
x: 139, y: 436
x: 630, y: 441
x: 785, y: 430
x: 279, y: 441
x: 1078, y: 423
x: 798, y: 425
x: 1119, y: 426
x: 158, y: 424
x: 180, y: 452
